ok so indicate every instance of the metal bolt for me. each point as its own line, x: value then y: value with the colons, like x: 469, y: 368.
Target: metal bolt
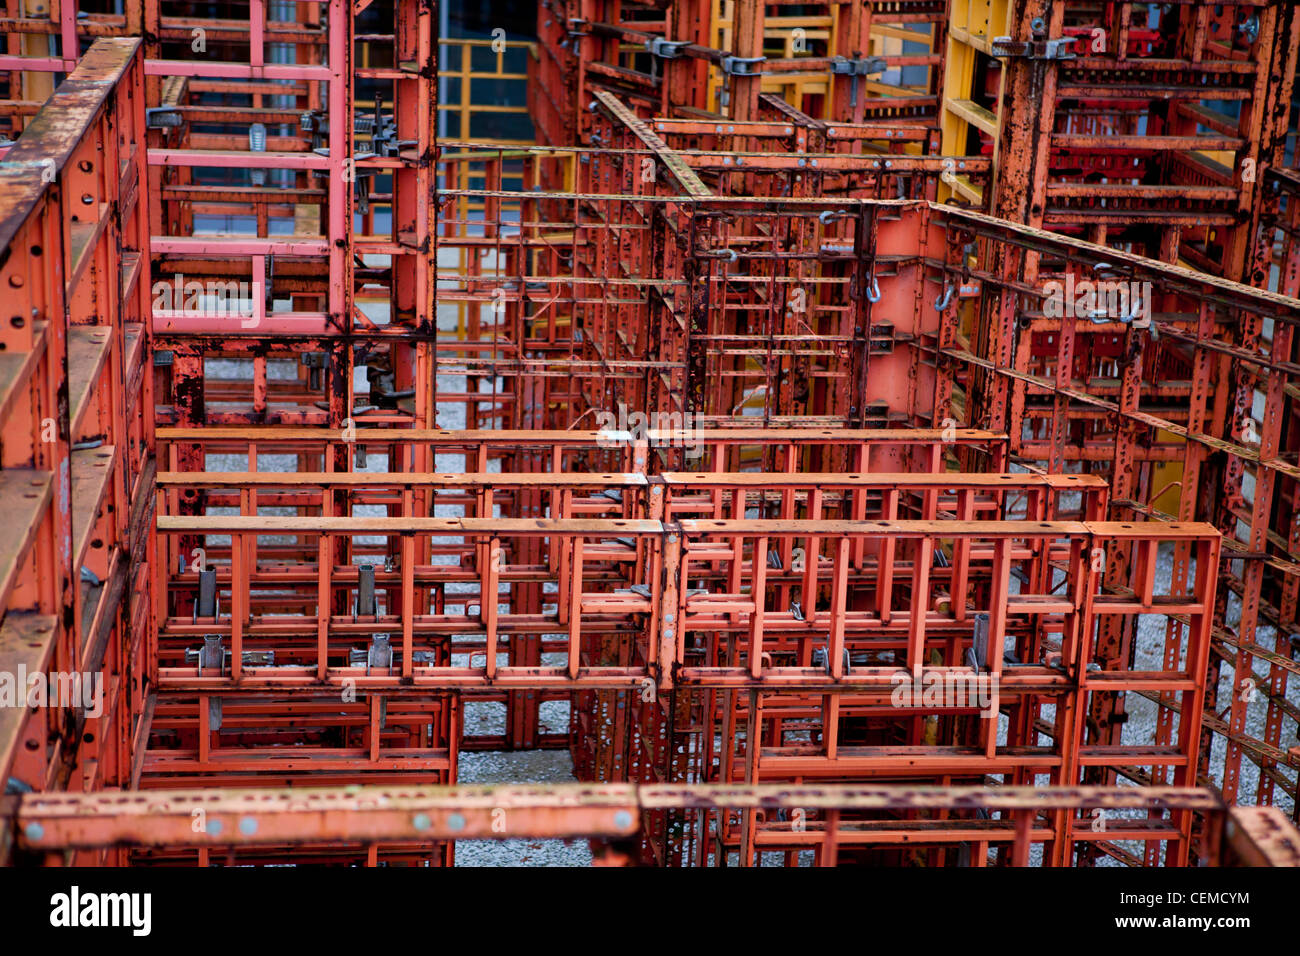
x: 622, y: 819
x: 247, y: 826
x: 422, y: 821
x: 456, y: 822
x: 35, y: 832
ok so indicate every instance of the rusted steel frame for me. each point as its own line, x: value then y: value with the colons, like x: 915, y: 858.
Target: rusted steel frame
x: 300, y: 738
x: 268, y: 817
x: 187, y: 380
x: 96, y: 25
x: 211, y: 70
x: 684, y: 70
x: 1268, y: 114
x: 868, y: 174
x: 710, y: 613
x: 415, y: 204
x: 1242, y: 453
x: 1195, y: 455
x: 1269, y: 308
x: 288, y: 816
x: 76, y: 402
x: 931, y: 494
x: 1260, y: 525
x: 1283, y: 186
x: 1170, y: 278
x: 1116, y: 635
x: 1260, y: 78
x: 762, y: 162
x: 1015, y: 828
x: 1261, y: 836
x: 696, y: 613
x: 570, y: 531
x: 885, y: 761
x: 721, y: 446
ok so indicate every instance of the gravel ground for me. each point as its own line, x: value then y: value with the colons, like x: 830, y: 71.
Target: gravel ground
x: 528, y: 766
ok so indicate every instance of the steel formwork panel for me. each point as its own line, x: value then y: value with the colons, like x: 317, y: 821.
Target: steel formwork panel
x: 834, y: 819
x: 76, y: 403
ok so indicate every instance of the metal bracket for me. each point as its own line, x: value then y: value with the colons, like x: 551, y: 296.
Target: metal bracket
x: 1249, y: 28
x: 366, y: 604
x: 881, y: 340
x: 821, y: 658
x: 379, y: 655
x: 163, y: 117
x: 206, y: 605
x: 1057, y: 48
x: 862, y: 66
x: 742, y: 65
x: 666, y: 49
x: 977, y: 655
x: 314, y: 121
x: 211, y: 654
